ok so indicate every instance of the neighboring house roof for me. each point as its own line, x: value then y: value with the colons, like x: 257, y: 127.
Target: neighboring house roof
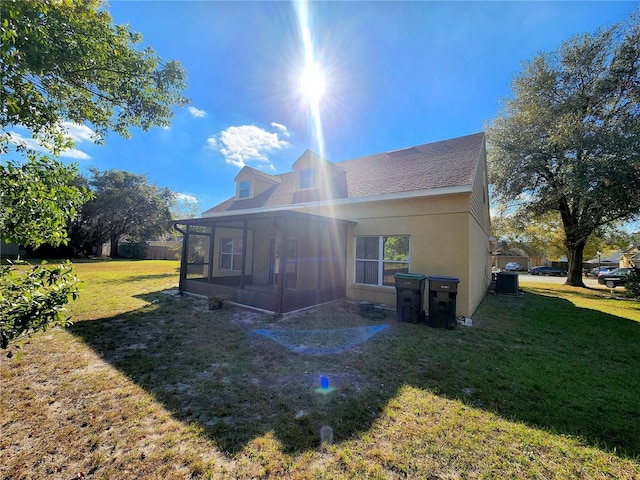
x: 609, y: 257
x: 448, y: 164
x: 632, y: 253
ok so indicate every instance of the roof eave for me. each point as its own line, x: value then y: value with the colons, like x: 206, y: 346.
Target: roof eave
x: 432, y: 192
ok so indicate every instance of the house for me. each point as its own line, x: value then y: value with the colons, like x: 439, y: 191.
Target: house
x: 612, y: 259
x: 630, y: 258
x: 327, y: 231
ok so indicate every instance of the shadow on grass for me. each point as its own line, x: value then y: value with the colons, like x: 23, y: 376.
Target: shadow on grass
x: 533, y: 359
x: 135, y: 278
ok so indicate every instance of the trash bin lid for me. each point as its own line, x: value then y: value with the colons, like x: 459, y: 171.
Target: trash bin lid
x: 412, y: 276
x: 437, y: 278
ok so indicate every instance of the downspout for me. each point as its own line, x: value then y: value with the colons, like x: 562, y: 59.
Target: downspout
x: 183, y: 257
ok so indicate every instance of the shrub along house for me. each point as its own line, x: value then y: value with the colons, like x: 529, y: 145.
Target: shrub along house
x: 327, y: 231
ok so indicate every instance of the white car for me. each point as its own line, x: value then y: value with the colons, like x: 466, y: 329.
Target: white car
x: 513, y: 267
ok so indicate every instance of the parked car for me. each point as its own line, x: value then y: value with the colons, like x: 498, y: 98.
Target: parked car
x: 598, y: 270
x: 614, y: 278
x: 513, y: 267
x: 548, y: 271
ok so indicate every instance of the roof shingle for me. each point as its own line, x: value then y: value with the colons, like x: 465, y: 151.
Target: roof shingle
x: 447, y: 163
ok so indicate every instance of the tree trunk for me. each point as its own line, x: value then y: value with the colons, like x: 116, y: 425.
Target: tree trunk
x: 574, y: 275
x: 114, y: 246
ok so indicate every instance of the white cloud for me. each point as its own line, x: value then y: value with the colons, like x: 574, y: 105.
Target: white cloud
x: 280, y: 127
x: 78, y: 133
x: 30, y: 143
x: 246, y: 143
x: 197, y: 113
x: 185, y: 197
x: 74, y: 153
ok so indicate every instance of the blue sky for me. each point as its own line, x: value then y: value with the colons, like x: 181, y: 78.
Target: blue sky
x: 396, y: 74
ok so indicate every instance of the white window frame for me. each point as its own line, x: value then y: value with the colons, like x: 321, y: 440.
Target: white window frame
x: 248, y: 189
x: 380, y: 260
x: 235, y: 242
x: 311, y: 178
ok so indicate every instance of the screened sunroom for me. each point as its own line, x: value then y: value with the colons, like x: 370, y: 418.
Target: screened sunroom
x: 275, y: 261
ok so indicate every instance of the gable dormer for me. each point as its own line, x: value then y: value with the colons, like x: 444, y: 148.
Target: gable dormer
x: 317, y: 178
x: 251, y: 182
x: 309, y: 168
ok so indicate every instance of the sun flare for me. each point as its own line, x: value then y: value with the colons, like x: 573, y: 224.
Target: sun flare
x: 312, y: 83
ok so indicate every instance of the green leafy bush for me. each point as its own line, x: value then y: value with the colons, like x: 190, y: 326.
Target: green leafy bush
x: 633, y: 283
x: 34, y: 299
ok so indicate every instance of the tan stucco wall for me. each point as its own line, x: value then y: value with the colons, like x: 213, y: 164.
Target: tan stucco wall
x: 442, y: 232
x: 479, y: 264
x: 221, y: 233
x: 314, y: 240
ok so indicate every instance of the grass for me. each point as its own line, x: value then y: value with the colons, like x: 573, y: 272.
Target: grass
x: 149, y: 384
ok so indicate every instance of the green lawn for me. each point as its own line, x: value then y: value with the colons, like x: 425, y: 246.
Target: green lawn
x: 149, y: 384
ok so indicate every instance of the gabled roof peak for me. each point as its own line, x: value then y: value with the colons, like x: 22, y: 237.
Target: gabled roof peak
x: 257, y: 173
x: 309, y: 157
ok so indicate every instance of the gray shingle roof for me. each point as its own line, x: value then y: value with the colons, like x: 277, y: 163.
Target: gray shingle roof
x: 447, y: 163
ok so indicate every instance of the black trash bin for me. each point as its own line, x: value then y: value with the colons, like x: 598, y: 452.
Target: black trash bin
x: 410, y: 296
x: 442, y: 301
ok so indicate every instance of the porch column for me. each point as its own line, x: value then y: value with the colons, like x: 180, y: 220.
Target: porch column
x: 319, y: 260
x: 212, y: 244
x: 345, y: 253
x: 183, y: 258
x: 282, y: 274
x: 244, y: 253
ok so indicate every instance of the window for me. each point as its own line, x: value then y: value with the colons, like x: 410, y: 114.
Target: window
x: 307, y: 178
x: 244, y: 189
x: 378, y: 259
x: 231, y: 254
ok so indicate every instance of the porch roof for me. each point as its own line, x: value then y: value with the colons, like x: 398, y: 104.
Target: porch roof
x: 228, y: 217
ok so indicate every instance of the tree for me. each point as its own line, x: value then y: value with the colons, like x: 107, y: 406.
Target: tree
x: 543, y: 236
x: 539, y: 237
x: 125, y: 204
x: 63, y: 62
x: 66, y: 61
x: 37, y: 201
x: 568, y: 140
